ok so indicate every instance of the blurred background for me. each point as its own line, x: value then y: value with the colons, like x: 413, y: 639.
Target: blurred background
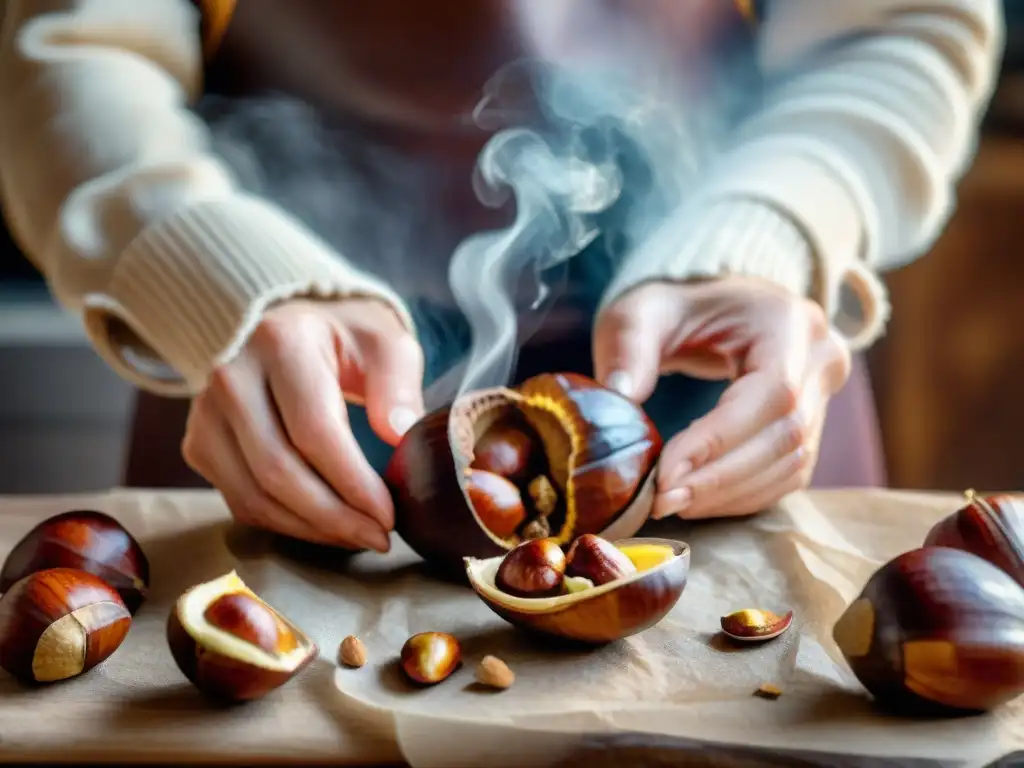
x: 946, y: 376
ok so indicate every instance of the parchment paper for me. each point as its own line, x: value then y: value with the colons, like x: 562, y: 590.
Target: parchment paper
x: 679, y: 680
x: 673, y: 695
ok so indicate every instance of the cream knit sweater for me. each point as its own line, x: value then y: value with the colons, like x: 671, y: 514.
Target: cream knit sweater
x: 109, y: 186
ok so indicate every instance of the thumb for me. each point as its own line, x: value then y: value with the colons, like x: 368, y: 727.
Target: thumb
x: 628, y: 340
x: 392, y: 384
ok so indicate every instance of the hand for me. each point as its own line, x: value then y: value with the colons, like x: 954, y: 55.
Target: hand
x: 271, y: 432
x: 761, y: 440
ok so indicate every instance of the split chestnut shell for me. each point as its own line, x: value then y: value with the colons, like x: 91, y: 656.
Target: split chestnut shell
x: 588, y: 468
x: 596, y: 615
x: 232, y: 645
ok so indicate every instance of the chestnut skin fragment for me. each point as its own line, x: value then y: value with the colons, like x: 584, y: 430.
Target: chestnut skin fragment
x: 612, y: 444
x: 59, y: 623
x: 597, y: 560
x: 430, y: 657
x: 937, y: 631
x: 991, y: 527
x: 231, y: 645
x: 533, y: 569
x: 86, y: 540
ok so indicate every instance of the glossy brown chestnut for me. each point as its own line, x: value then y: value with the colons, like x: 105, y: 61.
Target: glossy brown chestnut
x: 506, y: 449
x: 596, y: 615
x: 991, y: 527
x: 596, y: 448
x: 59, y: 623
x: 597, y: 560
x: 430, y: 657
x: 937, y: 631
x: 533, y: 569
x: 233, y: 646
x: 497, y: 502
x: 85, y: 540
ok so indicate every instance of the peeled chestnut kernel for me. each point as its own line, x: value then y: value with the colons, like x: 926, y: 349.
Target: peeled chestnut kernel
x: 430, y: 657
x: 601, y: 562
x: 233, y: 646
x: 585, y: 612
x: 647, y: 556
x: 533, y: 569
x: 59, y: 623
x: 505, y: 449
x: 991, y: 527
x: 937, y: 631
x: 496, y: 501
x: 85, y: 540
x: 590, y: 468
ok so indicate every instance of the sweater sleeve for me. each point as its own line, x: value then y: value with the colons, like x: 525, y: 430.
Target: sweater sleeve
x: 848, y: 167
x: 110, y: 188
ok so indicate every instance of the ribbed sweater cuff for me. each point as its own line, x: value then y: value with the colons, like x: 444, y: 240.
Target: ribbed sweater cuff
x: 744, y: 236
x: 728, y: 237
x: 194, y: 286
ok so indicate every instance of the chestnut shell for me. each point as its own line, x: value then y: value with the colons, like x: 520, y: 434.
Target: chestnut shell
x: 596, y: 616
x: 86, y: 540
x: 937, y: 631
x: 991, y: 527
x: 608, y: 443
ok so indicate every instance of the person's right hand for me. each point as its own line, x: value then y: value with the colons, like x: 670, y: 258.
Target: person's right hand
x: 270, y: 431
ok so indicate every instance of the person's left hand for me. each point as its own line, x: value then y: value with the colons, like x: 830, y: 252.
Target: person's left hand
x: 761, y: 440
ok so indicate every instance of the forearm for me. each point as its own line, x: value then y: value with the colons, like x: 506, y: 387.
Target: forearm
x: 868, y: 121
x: 111, y: 190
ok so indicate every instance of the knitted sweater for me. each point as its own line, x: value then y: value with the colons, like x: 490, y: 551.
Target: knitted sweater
x: 846, y: 168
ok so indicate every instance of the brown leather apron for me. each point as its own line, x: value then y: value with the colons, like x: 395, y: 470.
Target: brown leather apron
x: 403, y: 71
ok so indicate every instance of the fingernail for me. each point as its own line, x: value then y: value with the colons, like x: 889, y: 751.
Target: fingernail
x: 401, y: 419
x: 621, y: 382
x: 672, y: 502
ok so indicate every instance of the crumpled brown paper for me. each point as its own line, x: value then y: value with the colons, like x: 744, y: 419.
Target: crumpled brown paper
x: 674, y: 691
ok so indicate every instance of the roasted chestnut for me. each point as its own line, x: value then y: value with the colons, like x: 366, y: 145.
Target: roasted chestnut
x: 59, y: 623
x: 937, y: 631
x: 497, y: 502
x: 590, y: 464
x: 233, y: 646
x: 533, y: 569
x: 991, y: 527
x: 597, y: 560
x: 598, y: 614
x: 85, y: 540
x: 430, y: 657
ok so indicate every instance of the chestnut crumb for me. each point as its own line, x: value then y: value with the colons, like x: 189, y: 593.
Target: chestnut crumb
x: 768, y: 691
x: 352, y: 652
x: 494, y: 673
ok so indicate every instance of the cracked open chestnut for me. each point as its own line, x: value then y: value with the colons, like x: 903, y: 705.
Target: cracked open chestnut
x: 233, y: 646
x: 594, y: 613
x: 937, y: 631
x: 991, y: 527
x: 581, y: 457
x: 86, y: 540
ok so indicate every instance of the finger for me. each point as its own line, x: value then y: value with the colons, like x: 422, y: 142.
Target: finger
x: 749, y: 406
x: 212, y: 451
x: 718, y: 481
x: 627, y: 347
x: 308, y: 396
x: 393, y: 391
x: 280, y: 471
x: 781, y: 474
